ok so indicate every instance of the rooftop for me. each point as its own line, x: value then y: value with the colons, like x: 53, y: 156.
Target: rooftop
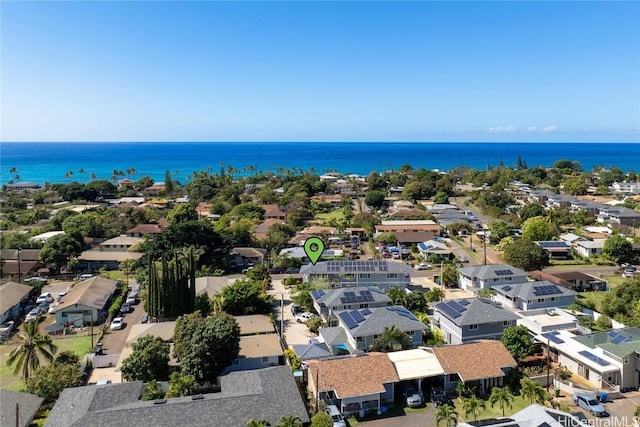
x: 92, y: 293
x: 492, y: 271
x: 341, y: 267
x: 473, y: 311
x: 470, y: 360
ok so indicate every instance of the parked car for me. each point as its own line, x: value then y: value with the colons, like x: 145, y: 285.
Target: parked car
x: 85, y: 276
x: 292, y: 270
x: 52, y: 307
x: 463, y: 259
x: 295, y: 309
x: 131, y: 300
x: 32, y: 315
x: 103, y: 382
x: 589, y: 403
x: 246, y: 270
x: 276, y: 270
x: 117, y: 324
x: 423, y: 266
x: 304, y: 317
x: 412, y: 398
x: 145, y: 318
x: 336, y: 416
x: 125, y: 308
x: 439, y: 397
x: 44, y: 297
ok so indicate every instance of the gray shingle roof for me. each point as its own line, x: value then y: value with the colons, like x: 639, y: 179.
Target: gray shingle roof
x: 478, y: 311
x: 331, y: 297
x: 268, y: 393
x: 372, y: 267
x: 28, y: 405
x: 527, y: 291
x: 312, y: 351
x: 381, y: 317
x: 486, y: 272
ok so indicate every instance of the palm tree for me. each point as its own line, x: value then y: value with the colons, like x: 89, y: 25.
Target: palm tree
x: 93, y: 176
x: 258, y: 423
x: 473, y: 406
x: 532, y: 390
x: 397, y: 295
x: 290, y: 421
x: 392, y: 338
x: 32, y: 345
x: 448, y: 414
x: 502, y: 396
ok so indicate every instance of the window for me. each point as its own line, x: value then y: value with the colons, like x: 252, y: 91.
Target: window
x: 540, y: 299
x: 392, y: 276
x: 453, y: 377
x: 364, y: 305
x: 473, y: 327
x: 506, y: 323
x: 626, y: 360
x: 265, y: 360
x: 365, y: 276
x: 554, y: 298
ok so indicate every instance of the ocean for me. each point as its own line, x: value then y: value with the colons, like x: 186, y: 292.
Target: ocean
x: 66, y: 162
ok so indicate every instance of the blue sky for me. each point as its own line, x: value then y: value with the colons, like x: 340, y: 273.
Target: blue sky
x: 320, y: 71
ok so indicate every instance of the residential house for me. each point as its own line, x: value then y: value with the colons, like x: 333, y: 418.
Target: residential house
x: 268, y: 394
x: 486, y: 276
x: 154, y: 189
x: 86, y: 302
x: 314, y: 350
x: 120, y: 244
x: 555, y: 249
x: 616, y: 216
x: 589, y: 206
x: 212, y: 285
x: 334, y: 200
x: 560, y: 201
x: 328, y: 301
x: 261, y: 229
x: 96, y: 260
x: 247, y: 256
x: 435, y: 250
x: 354, y: 383
x: 273, y: 212
x: 43, y: 237
x: 576, y: 280
x: 533, y: 295
x: 605, y: 359
x: 410, y: 231
x: 482, y: 364
x: 260, y: 345
x: 543, y: 320
x: 20, y: 262
x: 469, y: 319
x: 416, y: 366
x: 588, y: 248
x: 626, y: 187
x: 362, y: 326
x: 12, y: 296
x: 382, y: 274
x: 571, y: 238
x: 18, y: 409
x: 143, y: 230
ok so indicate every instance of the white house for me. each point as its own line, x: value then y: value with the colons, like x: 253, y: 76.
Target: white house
x: 486, y: 276
x: 588, y: 248
x: 86, y: 302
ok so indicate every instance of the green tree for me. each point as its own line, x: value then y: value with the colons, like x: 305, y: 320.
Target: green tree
x: 441, y: 197
x: 486, y: 293
x: 321, y: 419
x: 538, y: 228
x: 499, y: 230
x: 215, y: 344
x: 375, y: 198
x: 182, y: 212
x: 48, y: 381
x: 258, y: 423
x: 397, y: 295
x: 502, y: 397
x: 290, y: 421
x: 619, y: 303
x: 59, y: 248
x: 575, y: 186
x: 152, y: 391
x: 149, y: 360
x: 180, y: 385
x: 518, y: 341
x: 392, y: 339
x: 417, y: 190
x: 526, y: 255
x: 618, y: 249
x: 435, y: 294
x: 530, y: 210
x: 473, y: 406
x: 446, y: 414
x: 246, y: 297
x: 186, y: 326
x: 387, y: 238
x: 532, y: 390
x: 203, y: 304
x: 450, y: 275
x: 32, y: 345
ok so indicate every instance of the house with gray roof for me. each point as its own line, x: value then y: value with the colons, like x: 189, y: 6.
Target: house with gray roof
x: 268, y: 394
x: 533, y: 295
x: 17, y: 408
x: 383, y: 274
x: 612, y: 215
x: 555, y: 249
x: 485, y: 276
x: 12, y: 295
x: 588, y: 248
x: 469, y: 319
x: 329, y: 301
x: 86, y: 302
x: 361, y: 327
x: 313, y: 350
x: 533, y: 416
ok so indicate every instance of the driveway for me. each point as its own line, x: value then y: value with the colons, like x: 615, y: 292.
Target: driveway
x: 294, y: 332
x: 114, y: 341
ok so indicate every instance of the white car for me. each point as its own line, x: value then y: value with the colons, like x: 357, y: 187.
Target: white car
x: 52, y: 307
x: 304, y: 317
x: 44, y: 297
x: 423, y: 266
x: 117, y: 324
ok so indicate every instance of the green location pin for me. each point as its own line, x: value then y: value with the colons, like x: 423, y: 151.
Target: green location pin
x: 313, y: 247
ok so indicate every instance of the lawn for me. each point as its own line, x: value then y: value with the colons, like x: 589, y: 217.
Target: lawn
x: 519, y: 403
x: 337, y: 215
x: 78, y: 344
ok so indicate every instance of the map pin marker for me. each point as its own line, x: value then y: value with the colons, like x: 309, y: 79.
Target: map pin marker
x: 313, y: 247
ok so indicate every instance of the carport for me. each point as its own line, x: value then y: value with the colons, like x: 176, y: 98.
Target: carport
x: 417, y: 364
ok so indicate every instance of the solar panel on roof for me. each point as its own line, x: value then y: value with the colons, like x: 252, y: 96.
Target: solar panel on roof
x: 553, y: 338
x: 349, y: 294
x: 464, y: 302
x: 343, y: 300
x: 503, y: 272
x: 347, y: 320
x: 355, y: 315
x: 506, y: 288
x: 448, y: 311
x: 366, y: 312
x: 593, y: 358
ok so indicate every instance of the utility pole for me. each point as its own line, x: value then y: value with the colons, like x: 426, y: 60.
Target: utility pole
x: 484, y: 240
x: 19, y: 267
x: 548, y: 362
x: 282, y: 315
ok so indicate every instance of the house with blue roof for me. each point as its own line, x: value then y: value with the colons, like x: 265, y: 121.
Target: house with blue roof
x: 469, y: 319
x: 555, y: 249
x: 328, y: 301
x: 533, y: 295
x: 358, y: 328
x: 435, y: 251
x: 479, y: 277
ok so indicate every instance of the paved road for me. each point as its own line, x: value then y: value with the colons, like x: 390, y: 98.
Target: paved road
x: 294, y: 333
x: 114, y: 341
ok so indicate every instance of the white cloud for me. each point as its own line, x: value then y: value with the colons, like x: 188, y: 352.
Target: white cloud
x: 549, y: 128
x: 510, y: 128
x: 532, y: 129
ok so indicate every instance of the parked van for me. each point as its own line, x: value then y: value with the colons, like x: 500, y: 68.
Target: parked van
x: 336, y: 416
